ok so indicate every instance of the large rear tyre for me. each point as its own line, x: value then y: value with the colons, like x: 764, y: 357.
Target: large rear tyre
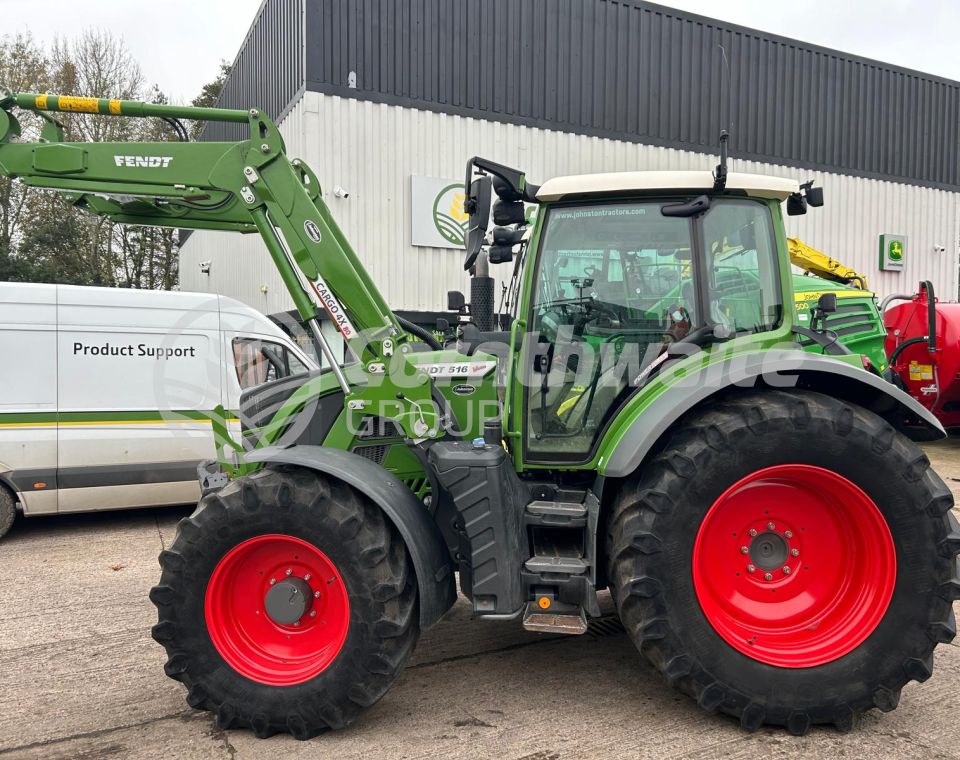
x: 287, y: 603
x: 788, y: 559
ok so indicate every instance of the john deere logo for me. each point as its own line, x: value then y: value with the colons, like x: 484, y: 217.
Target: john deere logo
x: 448, y: 215
x: 896, y: 250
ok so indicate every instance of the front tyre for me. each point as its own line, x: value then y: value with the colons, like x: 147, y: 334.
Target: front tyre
x: 287, y: 603
x: 788, y: 559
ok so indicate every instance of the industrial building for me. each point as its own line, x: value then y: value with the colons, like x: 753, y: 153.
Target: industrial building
x: 387, y: 99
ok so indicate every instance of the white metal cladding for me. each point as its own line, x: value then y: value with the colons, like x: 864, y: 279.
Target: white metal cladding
x: 372, y: 149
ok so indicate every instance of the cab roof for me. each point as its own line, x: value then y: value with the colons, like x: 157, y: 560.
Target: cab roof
x: 757, y: 185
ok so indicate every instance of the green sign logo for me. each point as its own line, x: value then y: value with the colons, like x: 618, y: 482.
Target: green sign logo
x: 448, y: 215
x: 895, y: 250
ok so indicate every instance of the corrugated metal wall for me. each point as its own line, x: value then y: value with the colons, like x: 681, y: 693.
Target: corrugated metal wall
x: 624, y: 69
x: 371, y: 150
x: 635, y: 71
x: 268, y: 71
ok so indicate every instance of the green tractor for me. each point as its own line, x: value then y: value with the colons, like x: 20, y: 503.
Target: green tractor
x: 774, y: 541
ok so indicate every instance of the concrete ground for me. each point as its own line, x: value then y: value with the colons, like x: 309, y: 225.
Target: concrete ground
x: 80, y: 676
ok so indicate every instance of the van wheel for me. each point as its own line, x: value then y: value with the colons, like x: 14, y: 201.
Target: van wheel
x: 8, y: 511
x: 287, y: 603
x: 788, y: 559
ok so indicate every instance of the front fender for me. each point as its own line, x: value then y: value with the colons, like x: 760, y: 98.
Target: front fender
x: 776, y: 368
x: 428, y: 552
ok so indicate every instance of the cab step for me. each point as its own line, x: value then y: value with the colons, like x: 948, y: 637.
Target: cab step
x: 535, y: 619
x: 559, y: 565
x: 558, y: 513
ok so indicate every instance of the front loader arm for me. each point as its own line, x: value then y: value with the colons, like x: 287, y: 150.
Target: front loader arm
x: 244, y: 186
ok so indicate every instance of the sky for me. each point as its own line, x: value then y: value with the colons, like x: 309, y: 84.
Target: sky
x: 180, y: 43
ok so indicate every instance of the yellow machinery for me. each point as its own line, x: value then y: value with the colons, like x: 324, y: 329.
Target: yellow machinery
x: 819, y: 264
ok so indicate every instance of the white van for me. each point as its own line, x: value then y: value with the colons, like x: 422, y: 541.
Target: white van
x: 105, y: 393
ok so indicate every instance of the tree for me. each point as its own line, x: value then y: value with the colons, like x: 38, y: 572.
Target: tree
x: 209, y: 97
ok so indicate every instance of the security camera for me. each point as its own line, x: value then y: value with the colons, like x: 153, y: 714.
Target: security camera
x: 939, y: 249
x: 204, y: 267
x: 339, y: 192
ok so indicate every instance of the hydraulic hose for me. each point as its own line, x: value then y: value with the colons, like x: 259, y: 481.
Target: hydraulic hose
x: 422, y: 333
x: 899, y: 349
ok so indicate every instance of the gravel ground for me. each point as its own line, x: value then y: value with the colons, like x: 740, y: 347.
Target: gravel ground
x: 80, y: 676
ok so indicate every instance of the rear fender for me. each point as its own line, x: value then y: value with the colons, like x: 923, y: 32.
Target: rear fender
x: 781, y: 369
x: 428, y: 552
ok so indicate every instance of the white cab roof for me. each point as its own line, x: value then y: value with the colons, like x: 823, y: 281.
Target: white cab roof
x: 758, y: 185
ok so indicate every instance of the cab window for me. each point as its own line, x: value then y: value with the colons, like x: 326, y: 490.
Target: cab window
x: 261, y: 361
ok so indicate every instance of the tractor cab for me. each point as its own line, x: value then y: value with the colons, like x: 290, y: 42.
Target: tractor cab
x: 616, y: 273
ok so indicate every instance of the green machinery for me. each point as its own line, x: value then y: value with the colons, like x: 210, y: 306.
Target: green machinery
x: 772, y: 539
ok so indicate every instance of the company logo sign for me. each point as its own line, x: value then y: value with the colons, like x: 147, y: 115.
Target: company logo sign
x: 448, y: 215
x: 143, y: 162
x: 437, y: 216
x: 893, y: 252
x: 312, y: 230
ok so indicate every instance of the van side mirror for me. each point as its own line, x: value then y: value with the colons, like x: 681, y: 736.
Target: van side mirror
x: 814, y: 196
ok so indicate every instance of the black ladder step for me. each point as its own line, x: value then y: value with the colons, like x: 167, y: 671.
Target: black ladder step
x: 535, y: 619
x: 563, y: 565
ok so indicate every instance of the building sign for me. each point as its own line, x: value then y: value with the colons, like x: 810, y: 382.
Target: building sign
x: 893, y: 252
x: 437, y: 215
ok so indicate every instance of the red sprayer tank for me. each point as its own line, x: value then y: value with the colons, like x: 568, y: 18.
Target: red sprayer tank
x: 923, y: 346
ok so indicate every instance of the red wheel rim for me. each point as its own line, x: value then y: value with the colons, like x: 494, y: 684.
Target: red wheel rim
x: 794, y: 566
x: 243, y: 632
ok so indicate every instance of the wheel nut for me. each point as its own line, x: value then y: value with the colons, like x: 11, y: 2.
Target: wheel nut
x: 788, y: 534
x: 770, y: 526
x: 744, y: 550
x: 313, y: 613
x: 786, y: 570
x: 751, y: 568
x: 307, y: 577
x: 273, y: 581
x: 767, y: 577
x: 794, y: 552
x: 289, y: 571
x: 753, y: 531
x: 316, y: 594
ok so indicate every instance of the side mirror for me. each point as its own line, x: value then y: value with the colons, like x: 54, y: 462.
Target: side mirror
x: 456, y: 301
x: 796, y: 205
x: 814, y: 196
x: 827, y: 303
x: 478, y: 206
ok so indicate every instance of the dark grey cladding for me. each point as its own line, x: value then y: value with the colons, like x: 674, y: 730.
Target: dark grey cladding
x: 623, y: 69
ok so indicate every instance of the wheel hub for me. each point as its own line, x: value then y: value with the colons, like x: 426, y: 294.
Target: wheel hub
x: 794, y: 565
x: 769, y: 551
x: 288, y: 601
x: 277, y: 609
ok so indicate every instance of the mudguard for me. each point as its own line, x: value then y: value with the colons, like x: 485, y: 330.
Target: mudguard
x: 779, y: 369
x: 428, y: 552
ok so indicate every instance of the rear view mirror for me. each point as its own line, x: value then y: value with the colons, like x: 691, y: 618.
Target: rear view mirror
x: 478, y: 206
x: 814, y: 196
x: 827, y: 303
x: 796, y: 205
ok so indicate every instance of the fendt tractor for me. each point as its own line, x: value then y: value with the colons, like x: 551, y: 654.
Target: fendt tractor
x: 773, y: 539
